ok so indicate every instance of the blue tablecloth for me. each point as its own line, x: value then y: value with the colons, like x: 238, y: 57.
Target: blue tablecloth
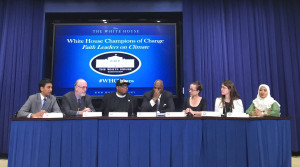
x: 154, y: 142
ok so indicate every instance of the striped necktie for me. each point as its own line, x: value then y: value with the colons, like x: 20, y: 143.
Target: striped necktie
x: 44, y: 103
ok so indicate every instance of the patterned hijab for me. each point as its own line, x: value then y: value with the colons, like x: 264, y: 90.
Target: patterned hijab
x: 264, y: 103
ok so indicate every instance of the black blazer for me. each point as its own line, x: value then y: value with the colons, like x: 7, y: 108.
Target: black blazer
x: 166, y: 102
x: 70, y: 105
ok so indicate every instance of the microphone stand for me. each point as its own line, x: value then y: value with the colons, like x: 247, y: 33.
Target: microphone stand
x: 131, y: 104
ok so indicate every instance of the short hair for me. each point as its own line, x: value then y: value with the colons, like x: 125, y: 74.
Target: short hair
x: 198, y: 84
x: 43, y: 82
x: 78, y: 81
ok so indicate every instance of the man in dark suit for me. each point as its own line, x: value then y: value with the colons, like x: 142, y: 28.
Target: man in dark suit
x: 77, y: 102
x: 119, y: 101
x: 40, y: 103
x: 158, y: 99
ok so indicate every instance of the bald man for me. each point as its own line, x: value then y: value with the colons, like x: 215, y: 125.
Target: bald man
x: 158, y: 99
x: 77, y: 102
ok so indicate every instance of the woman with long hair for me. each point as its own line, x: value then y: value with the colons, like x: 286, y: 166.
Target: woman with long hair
x: 230, y: 100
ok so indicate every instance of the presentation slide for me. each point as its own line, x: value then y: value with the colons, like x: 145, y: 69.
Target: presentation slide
x: 103, y: 53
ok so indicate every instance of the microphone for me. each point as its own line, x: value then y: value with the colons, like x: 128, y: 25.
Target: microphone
x: 189, y: 114
x: 58, y: 103
x: 226, y: 110
x: 61, y: 109
x: 131, y: 112
x: 85, y: 103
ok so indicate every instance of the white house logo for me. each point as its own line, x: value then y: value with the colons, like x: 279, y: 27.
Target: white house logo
x: 115, y: 63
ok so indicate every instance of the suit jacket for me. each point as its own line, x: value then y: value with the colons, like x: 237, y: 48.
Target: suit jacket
x: 166, y: 102
x: 70, y: 105
x: 34, y: 105
x: 111, y: 103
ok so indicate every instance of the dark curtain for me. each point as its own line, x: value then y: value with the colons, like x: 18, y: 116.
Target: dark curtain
x: 249, y: 42
x: 21, y: 36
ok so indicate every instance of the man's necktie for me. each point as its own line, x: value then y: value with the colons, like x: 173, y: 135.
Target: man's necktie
x: 44, y: 103
x: 78, y: 103
x: 157, y: 104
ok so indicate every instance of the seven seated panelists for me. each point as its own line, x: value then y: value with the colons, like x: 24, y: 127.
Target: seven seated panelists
x: 157, y: 100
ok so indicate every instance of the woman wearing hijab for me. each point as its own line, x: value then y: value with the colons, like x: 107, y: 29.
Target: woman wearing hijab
x: 230, y: 100
x: 264, y: 104
x: 194, y: 104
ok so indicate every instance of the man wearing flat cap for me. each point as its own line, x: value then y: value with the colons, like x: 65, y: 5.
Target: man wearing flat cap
x: 119, y: 101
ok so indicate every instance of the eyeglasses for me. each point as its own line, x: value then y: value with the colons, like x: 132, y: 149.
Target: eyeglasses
x: 193, y: 90
x: 83, y: 87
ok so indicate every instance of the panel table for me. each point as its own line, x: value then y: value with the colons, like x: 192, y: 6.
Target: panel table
x: 132, y: 141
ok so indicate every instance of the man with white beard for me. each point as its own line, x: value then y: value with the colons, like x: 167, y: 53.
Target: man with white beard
x: 77, y: 102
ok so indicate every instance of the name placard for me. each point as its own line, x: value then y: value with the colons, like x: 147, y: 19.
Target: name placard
x: 243, y: 115
x: 53, y: 115
x: 118, y: 114
x: 146, y: 114
x: 175, y: 114
x: 92, y: 114
x: 210, y: 114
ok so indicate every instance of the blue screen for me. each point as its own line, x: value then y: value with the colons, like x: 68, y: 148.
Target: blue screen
x: 103, y: 53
